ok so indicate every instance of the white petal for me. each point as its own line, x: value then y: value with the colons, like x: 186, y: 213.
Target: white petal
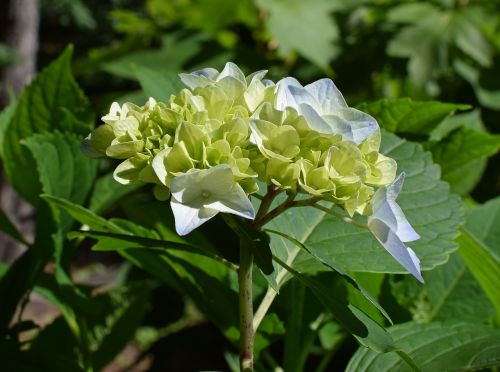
x: 187, y: 218
x: 115, y: 108
x: 327, y: 94
x: 159, y: 167
x: 193, y: 81
x: 362, y: 124
x: 302, y: 96
x: 230, y: 69
x: 283, y: 97
x: 218, y: 180
x: 386, y: 209
x: 209, y: 73
x: 389, y: 240
x: 189, y: 186
x: 339, y: 126
x: 314, y: 120
x: 235, y: 202
x: 257, y: 75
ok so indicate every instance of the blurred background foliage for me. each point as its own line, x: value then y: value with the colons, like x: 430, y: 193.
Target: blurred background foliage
x: 127, y: 50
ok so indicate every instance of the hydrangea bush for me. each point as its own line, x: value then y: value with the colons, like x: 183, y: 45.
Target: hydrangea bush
x: 209, y: 147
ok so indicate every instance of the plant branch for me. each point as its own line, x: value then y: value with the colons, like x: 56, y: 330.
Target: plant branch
x: 338, y: 215
x: 288, y: 203
x: 247, y: 332
x: 266, y: 201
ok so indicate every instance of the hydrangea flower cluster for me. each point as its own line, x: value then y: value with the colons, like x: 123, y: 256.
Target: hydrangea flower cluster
x: 208, y: 145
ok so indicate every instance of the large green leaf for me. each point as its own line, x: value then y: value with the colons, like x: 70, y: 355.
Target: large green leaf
x: 431, y: 209
x: 63, y: 170
x: 405, y: 116
x: 450, y: 292
x: 458, y: 154
x: 438, y: 346
x: 53, y: 101
x: 294, y: 25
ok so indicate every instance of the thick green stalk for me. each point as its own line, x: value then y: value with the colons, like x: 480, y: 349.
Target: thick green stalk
x: 247, y: 332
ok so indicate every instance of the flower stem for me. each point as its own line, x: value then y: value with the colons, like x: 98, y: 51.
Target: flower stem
x: 247, y: 332
x: 338, y: 215
x: 266, y: 202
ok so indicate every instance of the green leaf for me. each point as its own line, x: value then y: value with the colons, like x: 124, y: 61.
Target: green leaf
x: 469, y: 38
x: 478, y: 242
x: 425, y: 43
x: 158, y: 84
x: 83, y: 215
x: 22, y: 274
x: 458, y: 154
x: 431, y: 209
x: 368, y: 332
x: 450, y: 292
x: 406, y: 117
x: 63, y: 170
x: 483, y: 265
x: 118, y: 324
x: 410, y: 13
x: 329, y: 263
x: 115, y: 242
x: 5, y: 118
x: 203, y: 279
x: 295, y: 25
x: 438, y: 346
x: 482, y: 222
x: 56, y: 356
x: 3, y: 269
x: 118, y: 234
x: 487, y: 96
x: 107, y: 192
x: 53, y: 101
x: 173, y: 54
x: 470, y: 119
x: 464, y: 178
x: 372, y: 284
x: 8, y: 227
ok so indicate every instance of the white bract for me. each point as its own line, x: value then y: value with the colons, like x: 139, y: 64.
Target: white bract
x: 200, y: 195
x: 325, y: 109
x: 391, y: 228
